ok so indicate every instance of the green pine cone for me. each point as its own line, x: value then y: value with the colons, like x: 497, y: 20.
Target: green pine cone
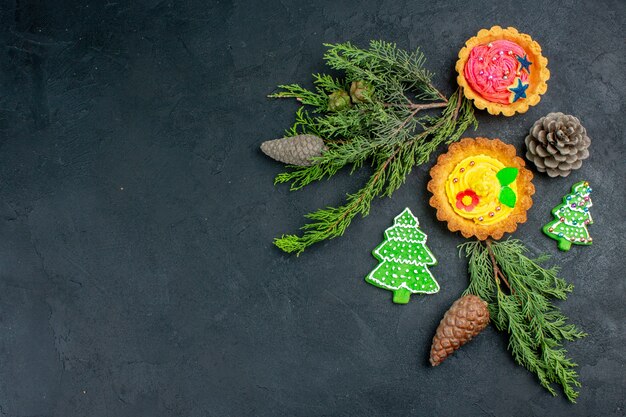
x: 361, y: 91
x: 339, y: 100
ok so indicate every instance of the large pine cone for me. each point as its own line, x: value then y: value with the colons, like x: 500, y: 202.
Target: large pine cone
x: 557, y: 144
x: 296, y: 150
x: 467, y: 317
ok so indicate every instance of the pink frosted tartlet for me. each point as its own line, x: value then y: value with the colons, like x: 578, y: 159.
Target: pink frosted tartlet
x: 502, y: 71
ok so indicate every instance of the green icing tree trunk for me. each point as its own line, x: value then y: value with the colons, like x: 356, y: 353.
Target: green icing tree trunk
x: 564, y: 244
x: 401, y: 296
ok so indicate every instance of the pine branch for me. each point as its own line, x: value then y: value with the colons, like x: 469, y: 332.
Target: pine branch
x: 392, y: 168
x: 383, y: 64
x: 388, y: 129
x: 536, y: 327
x: 332, y: 222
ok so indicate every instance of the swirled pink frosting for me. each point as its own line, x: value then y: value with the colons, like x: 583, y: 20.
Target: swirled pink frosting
x: 491, y: 69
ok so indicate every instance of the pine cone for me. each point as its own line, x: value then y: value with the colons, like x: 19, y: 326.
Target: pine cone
x: 361, y: 91
x: 339, y: 100
x: 295, y: 150
x: 557, y: 144
x: 467, y: 317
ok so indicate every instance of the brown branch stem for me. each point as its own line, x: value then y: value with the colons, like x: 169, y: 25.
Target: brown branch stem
x: 443, y: 97
x: 413, y: 113
x: 418, y: 107
x: 497, y: 273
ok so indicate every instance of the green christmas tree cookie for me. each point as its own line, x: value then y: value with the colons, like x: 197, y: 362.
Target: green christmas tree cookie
x: 403, y: 258
x: 572, y: 218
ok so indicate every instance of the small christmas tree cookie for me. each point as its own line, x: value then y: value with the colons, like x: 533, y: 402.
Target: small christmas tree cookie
x: 404, y: 260
x: 572, y: 218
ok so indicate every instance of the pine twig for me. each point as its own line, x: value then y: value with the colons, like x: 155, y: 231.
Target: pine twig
x: 419, y: 107
x: 497, y: 273
x: 387, y: 129
x: 536, y: 327
x: 390, y: 173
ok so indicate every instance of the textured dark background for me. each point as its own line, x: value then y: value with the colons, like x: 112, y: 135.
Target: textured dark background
x: 138, y: 276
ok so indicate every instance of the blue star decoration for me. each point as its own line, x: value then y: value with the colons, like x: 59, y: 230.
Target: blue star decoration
x: 524, y: 63
x: 519, y: 90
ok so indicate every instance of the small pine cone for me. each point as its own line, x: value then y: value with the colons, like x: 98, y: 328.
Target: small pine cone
x: 467, y: 317
x: 361, y: 91
x: 295, y: 150
x: 557, y: 144
x: 339, y: 100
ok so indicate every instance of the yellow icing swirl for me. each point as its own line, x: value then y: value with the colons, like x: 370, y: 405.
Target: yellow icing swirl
x: 473, y: 190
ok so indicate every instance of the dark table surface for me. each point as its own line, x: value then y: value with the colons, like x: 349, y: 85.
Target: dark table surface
x: 138, y: 275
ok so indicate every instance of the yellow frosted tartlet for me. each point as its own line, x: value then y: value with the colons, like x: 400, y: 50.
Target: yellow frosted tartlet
x: 481, y: 188
x: 502, y: 71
